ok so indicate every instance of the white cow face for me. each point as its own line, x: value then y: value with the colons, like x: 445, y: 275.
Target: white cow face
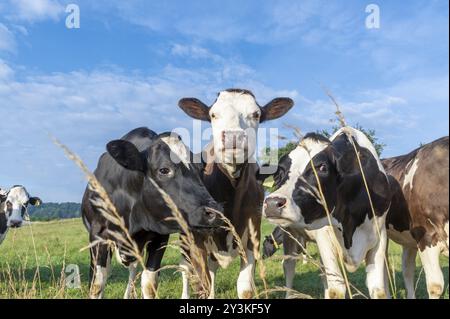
x: 235, y: 118
x: 14, y: 205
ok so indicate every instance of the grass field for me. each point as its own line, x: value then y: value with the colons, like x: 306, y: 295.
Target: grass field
x: 58, y: 243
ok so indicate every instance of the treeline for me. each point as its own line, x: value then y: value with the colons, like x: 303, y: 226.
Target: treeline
x: 50, y: 211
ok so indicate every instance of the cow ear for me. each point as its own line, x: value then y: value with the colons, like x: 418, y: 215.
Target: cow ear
x: 35, y: 201
x: 127, y: 155
x: 276, y: 108
x: 195, y: 109
x: 265, y: 175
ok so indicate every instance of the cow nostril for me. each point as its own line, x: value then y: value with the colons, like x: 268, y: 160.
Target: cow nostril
x: 281, y: 202
x: 210, y: 213
x: 275, y: 202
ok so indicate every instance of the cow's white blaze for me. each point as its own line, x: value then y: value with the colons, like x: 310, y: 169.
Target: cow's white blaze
x: 300, y: 158
x: 409, y: 176
x: 234, y: 111
x: 178, y: 148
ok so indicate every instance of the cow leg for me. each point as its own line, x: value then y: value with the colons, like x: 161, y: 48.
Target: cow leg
x: 291, y: 252
x: 245, y: 283
x: 409, y: 269
x: 155, y: 253
x: 98, y: 274
x: 185, y: 273
x: 212, y: 266
x: 131, y: 288
x: 376, y: 268
x: 433, y: 272
x: 334, y: 281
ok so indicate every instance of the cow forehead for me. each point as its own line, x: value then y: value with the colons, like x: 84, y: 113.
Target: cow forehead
x: 235, y: 102
x: 18, y: 194
x: 178, y: 147
x: 301, y: 156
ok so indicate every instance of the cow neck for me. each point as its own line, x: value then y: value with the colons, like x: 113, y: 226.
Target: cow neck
x: 231, y: 172
x: 234, y: 175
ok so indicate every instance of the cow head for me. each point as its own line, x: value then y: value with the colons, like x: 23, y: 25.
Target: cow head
x: 296, y: 199
x: 167, y: 162
x: 235, y: 117
x: 14, y: 205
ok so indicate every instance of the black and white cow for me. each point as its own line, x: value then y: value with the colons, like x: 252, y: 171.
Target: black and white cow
x: 296, y: 205
x: 13, y: 207
x: 126, y: 172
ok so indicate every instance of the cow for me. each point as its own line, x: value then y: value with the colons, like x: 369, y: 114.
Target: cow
x: 13, y: 208
x: 297, y: 204
x: 230, y: 175
x: 418, y: 218
x: 127, y: 172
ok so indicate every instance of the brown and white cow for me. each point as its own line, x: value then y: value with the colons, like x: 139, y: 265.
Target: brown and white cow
x: 418, y: 218
x: 230, y: 176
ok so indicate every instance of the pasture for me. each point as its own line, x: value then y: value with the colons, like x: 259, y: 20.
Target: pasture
x: 58, y: 243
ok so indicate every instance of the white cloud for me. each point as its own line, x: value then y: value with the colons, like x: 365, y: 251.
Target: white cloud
x: 35, y: 10
x: 7, y: 41
x: 5, y: 71
x: 87, y: 109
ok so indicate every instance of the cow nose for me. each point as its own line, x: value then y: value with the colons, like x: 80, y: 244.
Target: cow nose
x: 15, y: 223
x: 210, y: 214
x: 234, y: 139
x: 273, y: 206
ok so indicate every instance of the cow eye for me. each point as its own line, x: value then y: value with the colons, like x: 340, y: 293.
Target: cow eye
x: 9, y: 205
x: 323, y: 168
x: 164, y: 171
x: 256, y: 115
x: 213, y: 116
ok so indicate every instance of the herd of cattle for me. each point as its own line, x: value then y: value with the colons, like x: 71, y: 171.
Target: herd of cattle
x: 333, y: 191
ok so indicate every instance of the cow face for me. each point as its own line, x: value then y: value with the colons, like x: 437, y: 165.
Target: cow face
x: 167, y: 162
x: 235, y: 117
x: 14, y: 205
x: 297, y: 200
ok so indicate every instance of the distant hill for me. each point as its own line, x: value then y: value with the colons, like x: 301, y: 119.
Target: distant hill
x: 50, y: 211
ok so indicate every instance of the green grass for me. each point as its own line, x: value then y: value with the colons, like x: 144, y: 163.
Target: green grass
x: 58, y: 243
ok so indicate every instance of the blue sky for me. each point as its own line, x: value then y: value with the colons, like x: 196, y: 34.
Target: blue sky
x: 131, y: 61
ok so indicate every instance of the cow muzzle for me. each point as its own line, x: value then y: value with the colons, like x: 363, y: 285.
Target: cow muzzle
x: 14, y: 223
x: 207, y: 218
x: 273, y: 206
x: 234, y: 140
